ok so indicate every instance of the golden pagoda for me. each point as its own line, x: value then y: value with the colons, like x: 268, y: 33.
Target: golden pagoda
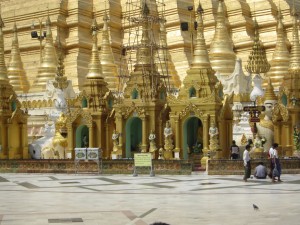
x: 47, y: 69
x: 16, y: 73
x: 221, y: 52
x: 13, y: 121
x: 142, y: 107
x: 281, y: 57
x: 109, y: 68
x: 199, y: 108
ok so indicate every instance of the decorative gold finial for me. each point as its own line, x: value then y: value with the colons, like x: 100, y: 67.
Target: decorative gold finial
x: 48, y: 67
x: 166, y: 69
x: 201, y: 57
x: 222, y: 56
x: 281, y: 56
x: 269, y: 94
x: 200, y: 80
x: 3, y: 70
x: 109, y: 68
x: 15, y: 71
x: 294, y: 66
x: 95, y: 71
x: 257, y: 62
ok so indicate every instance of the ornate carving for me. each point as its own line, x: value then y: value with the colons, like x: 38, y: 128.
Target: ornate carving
x: 191, y: 108
x: 280, y: 111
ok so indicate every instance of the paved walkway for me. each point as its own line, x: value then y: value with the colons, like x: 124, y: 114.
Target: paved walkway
x: 39, y: 199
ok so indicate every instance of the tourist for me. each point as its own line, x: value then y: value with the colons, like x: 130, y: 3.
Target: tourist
x: 271, y: 152
x: 247, y: 165
x: 260, y: 171
x: 275, y: 164
x: 234, y: 150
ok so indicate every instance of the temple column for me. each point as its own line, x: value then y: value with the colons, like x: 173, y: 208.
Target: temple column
x: 144, y: 134
x: 205, y: 141
x: 70, y: 142
x: 24, y: 141
x: 91, y: 136
x: 4, y: 147
x: 106, y: 150
x: 177, y: 139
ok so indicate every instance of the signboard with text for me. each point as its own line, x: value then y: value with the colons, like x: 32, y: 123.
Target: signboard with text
x: 142, y: 159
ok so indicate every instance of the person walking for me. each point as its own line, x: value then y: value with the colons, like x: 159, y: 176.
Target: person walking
x: 247, y: 164
x: 275, y: 164
x: 234, y: 150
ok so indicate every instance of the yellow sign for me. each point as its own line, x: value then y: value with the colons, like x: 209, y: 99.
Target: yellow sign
x: 142, y: 159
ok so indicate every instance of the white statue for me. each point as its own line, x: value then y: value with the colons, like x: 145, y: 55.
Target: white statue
x: 35, y: 148
x: 168, y: 133
x: 265, y: 127
x: 152, y: 138
x: 115, y: 138
x: 214, y: 137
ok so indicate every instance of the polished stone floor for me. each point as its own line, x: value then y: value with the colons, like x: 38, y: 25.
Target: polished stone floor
x: 39, y: 199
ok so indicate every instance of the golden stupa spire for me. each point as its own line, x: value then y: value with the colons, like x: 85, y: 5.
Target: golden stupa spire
x: 109, y: 68
x: 281, y: 56
x: 95, y: 71
x: 269, y: 94
x: 257, y: 62
x: 201, y: 57
x: 200, y: 80
x: 47, y: 69
x: 95, y: 85
x: 294, y: 66
x: 292, y: 80
x: 3, y: 70
x: 222, y: 56
x: 15, y: 71
x: 145, y: 75
x: 166, y: 67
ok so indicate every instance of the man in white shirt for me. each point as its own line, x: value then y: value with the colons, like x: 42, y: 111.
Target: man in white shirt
x: 247, y: 165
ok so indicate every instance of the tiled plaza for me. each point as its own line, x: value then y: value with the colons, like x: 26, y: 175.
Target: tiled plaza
x: 40, y: 199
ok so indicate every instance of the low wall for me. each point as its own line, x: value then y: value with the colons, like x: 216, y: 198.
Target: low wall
x: 236, y: 167
x: 108, y: 166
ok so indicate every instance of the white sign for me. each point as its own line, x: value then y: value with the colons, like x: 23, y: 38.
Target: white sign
x: 80, y: 153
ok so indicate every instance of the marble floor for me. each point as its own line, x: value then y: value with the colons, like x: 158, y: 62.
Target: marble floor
x: 39, y: 199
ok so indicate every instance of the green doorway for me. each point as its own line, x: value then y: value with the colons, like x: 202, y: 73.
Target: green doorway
x: 133, y: 136
x: 82, y: 136
x: 192, y: 136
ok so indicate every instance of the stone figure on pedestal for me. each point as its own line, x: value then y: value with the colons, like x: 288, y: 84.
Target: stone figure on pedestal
x: 168, y: 147
x: 115, y: 139
x: 152, y: 138
x: 214, y: 138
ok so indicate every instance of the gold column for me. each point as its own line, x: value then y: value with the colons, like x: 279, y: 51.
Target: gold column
x: 4, y: 151
x: 24, y: 143
x: 144, y: 134
x: 177, y: 136
x: 205, y: 141
x: 106, y: 152
x: 70, y: 141
x: 91, y: 136
x: 120, y: 129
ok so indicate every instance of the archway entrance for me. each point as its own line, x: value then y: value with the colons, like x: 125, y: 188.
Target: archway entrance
x: 133, y: 136
x: 82, y: 136
x: 192, y: 136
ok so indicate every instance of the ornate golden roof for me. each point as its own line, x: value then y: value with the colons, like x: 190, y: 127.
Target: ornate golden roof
x: 16, y: 73
x: 281, y: 57
x: 47, y: 69
x: 109, y: 68
x: 3, y: 70
x: 257, y: 62
x: 222, y: 56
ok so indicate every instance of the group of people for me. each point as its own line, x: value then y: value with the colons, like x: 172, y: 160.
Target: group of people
x: 260, y: 171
